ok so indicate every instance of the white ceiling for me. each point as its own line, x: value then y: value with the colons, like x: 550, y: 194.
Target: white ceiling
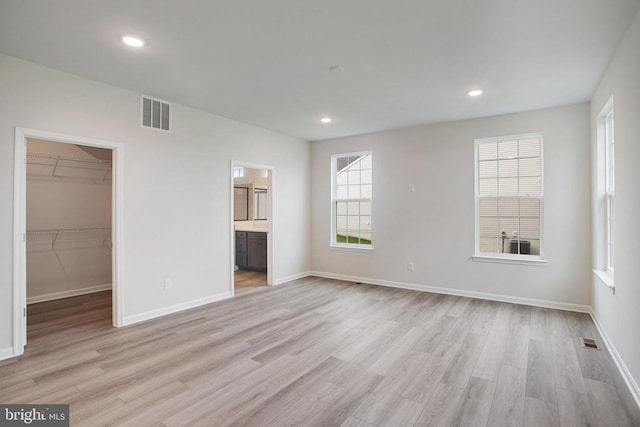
x: 266, y: 62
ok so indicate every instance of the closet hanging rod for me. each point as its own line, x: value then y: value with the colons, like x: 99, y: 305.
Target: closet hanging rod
x: 69, y: 230
x: 59, y: 158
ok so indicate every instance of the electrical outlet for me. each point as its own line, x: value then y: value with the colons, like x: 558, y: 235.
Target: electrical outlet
x: 167, y: 284
x: 410, y: 266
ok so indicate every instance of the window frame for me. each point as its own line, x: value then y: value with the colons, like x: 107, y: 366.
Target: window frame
x: 333, y: 241
x: 604, y: 195
x: 609, y: 187
x: 525, y: 259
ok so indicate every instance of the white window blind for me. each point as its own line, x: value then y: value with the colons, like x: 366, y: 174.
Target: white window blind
x: 509, y: 196
x: 352, y: 189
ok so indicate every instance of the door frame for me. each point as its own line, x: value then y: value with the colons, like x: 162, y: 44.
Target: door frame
x: 271, y: 172
x: 20, y: 219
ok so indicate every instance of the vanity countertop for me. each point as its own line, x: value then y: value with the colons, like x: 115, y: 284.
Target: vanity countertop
x: 256, y: 228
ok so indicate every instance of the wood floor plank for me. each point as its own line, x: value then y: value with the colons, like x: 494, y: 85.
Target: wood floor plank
x: 539, y: 413
x: 540, y: 380
x: 566, y: 366
x: 574, y: 409
x: 475, y: 404
x: 441, y: 409
x: 507, y: 408
x: 320, y: 352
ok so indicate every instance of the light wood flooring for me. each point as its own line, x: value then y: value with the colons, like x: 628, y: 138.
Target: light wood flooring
x: 320, y: 352
x: 247, y: 281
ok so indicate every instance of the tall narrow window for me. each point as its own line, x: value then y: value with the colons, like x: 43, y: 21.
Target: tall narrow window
x: 352, y: 189
x: 609, y: 184
x: 509, y: 196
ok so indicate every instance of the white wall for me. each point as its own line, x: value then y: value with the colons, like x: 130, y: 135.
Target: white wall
x: 433, y: 227
x: 73, y: 199
x: 618, y: 313
x: 177, y: 185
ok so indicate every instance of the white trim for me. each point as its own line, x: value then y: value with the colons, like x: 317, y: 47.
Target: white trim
x: 510, y: 260
x: 68, y: 293
x: 152, y: 314
x: 271, y: 215
x: 297, y: 276
x: 6, y: 353
x: 459, y: 292
x: 19, y: 226
x: 622, y: 367
x: 606, y: 278
x: 19, y: 243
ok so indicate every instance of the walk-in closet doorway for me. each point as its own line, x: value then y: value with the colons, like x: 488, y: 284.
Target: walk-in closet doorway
x: 67, y: 211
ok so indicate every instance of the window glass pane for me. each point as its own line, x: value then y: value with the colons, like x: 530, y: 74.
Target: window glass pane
x: 530, y: 186
x: 530, y: 167
x: 488, y: 207
x: 530, y: 208
x: 530, y: 147
x: 366, y: 191
x: 341, y: 208
x: 341, y: 192
x: 489, y: 227
x: 366, y: 162
x: 489, y: 244
x: 353, y: 177
x: 353, y: 208
x: 507, y: 186
x: 365, y: 223
x: 341, y: 222
x: 507, y: 149
x: 365, y: 208
x: 366, y: 176
x: 508, y: 168
x: 529, y: 228
x: 509, y: 226
x: 488, y: 169
x: 508, y: 208
x: 488, y: 151
x: 352, y: 222
x: 488, y: 187
x: 353, y: 191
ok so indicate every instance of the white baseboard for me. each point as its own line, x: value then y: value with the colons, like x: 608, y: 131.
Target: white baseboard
x: 286, y: 279
x: 6, y: 353
x: 458, y: 292
x: 622, y: 367
x: 136, y: 318
x: 67, y: 294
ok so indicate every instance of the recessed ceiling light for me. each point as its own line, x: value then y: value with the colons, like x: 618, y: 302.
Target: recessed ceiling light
x: 475, y: 92
x: 337, y: 69
x: 326, y: 120
x: 133, y: 41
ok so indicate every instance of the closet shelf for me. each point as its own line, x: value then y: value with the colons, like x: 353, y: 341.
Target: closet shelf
x: 68, y: 238
x: 59, y: 166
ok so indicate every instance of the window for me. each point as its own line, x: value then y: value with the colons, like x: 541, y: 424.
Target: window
x: 607, y: 139
x: 260, y: 203
x: 351, y: 196
x: 509, y: 197
x: 238, y: 171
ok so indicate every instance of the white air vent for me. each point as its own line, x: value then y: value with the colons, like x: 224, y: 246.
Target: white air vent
x: 155, y: 113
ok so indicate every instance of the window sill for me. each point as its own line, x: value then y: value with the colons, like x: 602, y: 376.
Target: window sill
x: 538, y: 262
x: 348, y: 248
x: 606, y: 278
